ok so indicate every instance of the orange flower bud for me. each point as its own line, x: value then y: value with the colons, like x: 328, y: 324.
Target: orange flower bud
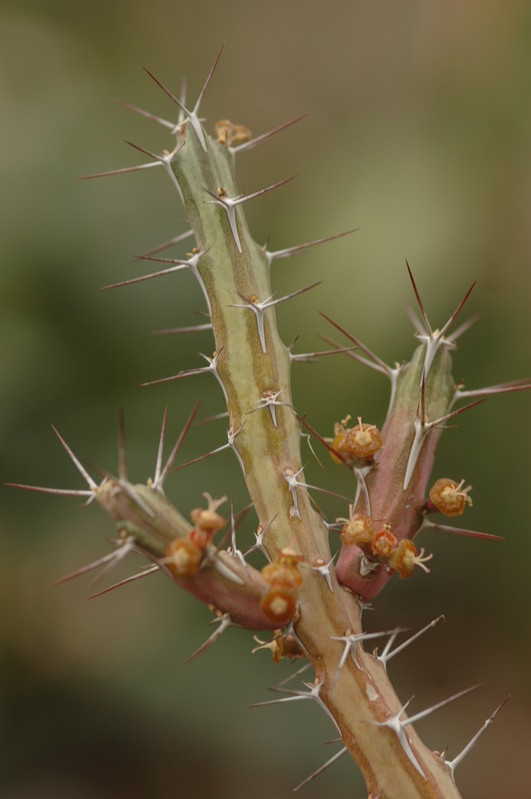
x: 288, y: 557
x: 206, y: 518
x: 450, y: 497
x: 358, y: 529
x: 405, y: 557
x: 363, y: 440
x: 279, y: 605
x: 284, y: 571
x: 281, y: 576
x: 384, y: 542
x: 359, y: 442
x: 183, y: 557
x: 200, y: 537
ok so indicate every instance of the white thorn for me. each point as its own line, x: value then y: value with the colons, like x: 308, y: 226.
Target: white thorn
x: 422, y: 428
x: 192, y: 117
x: 322, y: 569
x: 312, y: 693
x: 501, y: 388
x: 394, y: 723
x: 191, y: 264
x: 434, y: 339
x: 351, y: 641
x: 176, y: 331
x: 231, y: 203
x: 269, y: 399
x: 397, y: 727
x: 178, y: 266
x: 309, y: 357
x: 387, y: 654
x: 259, y: 539
x: 63, y: 492
x: 107, y: 561
x: 123, y: 549
x: 259, y: 307
x: 212, y: 368
x: 166, y: 244
x: 165, y: 160
x: 452, y: 764
x: 361, y: 486
x: 231, y: 435
x: 428, y: 711
x: 227, y: 572
x: 77, y: 463
x: 291, y: 479
x: 147, y: 114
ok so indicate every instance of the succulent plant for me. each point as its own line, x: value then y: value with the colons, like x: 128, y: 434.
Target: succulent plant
x: 317, y: 575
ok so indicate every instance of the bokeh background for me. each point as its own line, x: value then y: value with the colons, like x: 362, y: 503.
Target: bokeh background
x: 418, y: 135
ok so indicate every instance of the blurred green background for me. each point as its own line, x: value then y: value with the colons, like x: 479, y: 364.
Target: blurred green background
x: 418, y: 135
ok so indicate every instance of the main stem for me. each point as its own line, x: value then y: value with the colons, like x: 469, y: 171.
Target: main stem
x: 362, y: 697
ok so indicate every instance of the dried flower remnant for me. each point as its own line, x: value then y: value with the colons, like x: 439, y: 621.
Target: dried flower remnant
x: 229, y: 133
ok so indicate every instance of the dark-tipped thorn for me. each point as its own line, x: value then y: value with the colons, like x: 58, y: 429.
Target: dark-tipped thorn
x: 286, y: 253
x: 120, y: 171
x: 166, y: 91
x: 147, y: 114
x: 445, y: 528
x: 144, y: 573
x: 209, y: 78
x: 165, y: 245
x: 159, y: 482
x: 419, y: 301
x: 249, y: 145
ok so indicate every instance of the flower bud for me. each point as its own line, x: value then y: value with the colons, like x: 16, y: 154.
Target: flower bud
x: 279, y: 605
x: 183, y: 557
x: 358, y: 529
x: 359, y: 442
x: 384, y: 542
x: 405, y: 557
x: 450, y: 497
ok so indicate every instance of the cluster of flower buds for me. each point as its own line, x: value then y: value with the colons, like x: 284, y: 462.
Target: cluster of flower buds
x: 358, y: 443
x: 284, y: 577
x: 381, y: 546
x: 184, y: 555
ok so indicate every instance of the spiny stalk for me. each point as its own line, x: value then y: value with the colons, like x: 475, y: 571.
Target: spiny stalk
x: 309, y: 595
